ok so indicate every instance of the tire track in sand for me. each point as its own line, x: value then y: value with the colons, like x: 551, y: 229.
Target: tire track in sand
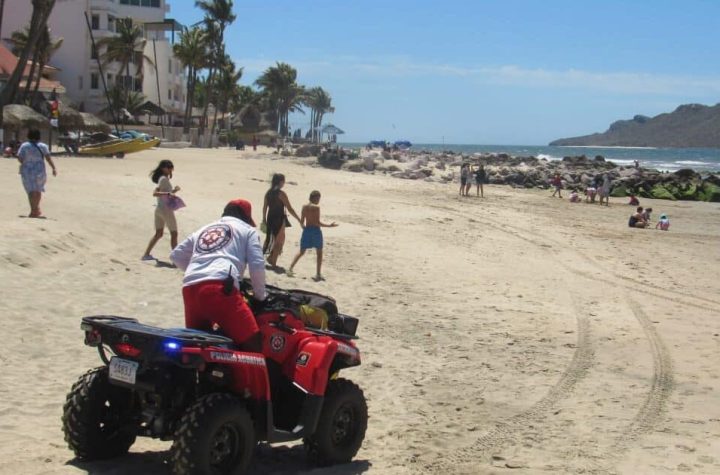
x: 699, y: 302
x: 503, y: 432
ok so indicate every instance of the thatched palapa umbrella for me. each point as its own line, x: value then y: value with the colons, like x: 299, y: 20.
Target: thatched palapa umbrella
x: 70, y: 119
x: 92, y: 124
x: 16, y: 116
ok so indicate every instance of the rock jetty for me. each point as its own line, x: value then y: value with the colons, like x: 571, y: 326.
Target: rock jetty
x: 523, y: 172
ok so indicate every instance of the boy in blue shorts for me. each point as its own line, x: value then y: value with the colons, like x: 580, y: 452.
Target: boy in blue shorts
x: 312, y: 235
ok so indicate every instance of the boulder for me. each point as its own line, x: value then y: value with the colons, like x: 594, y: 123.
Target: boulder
x: 619, y: 190
x: 659, y: 192
x: 710, y: 191
x: 686, y: 174
x: 308, y: 150
x: 369, y: 163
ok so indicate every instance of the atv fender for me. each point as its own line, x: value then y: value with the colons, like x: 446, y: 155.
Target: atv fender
x: 247, y: 371
x: 312, y: 364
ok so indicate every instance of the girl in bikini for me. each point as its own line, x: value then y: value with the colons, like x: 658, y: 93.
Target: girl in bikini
x: 274, y: 218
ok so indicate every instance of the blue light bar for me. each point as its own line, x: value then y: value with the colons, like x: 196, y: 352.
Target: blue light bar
x: 172, y: 346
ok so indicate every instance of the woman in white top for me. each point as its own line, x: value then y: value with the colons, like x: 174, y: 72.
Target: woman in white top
x: 32, y: 156
x: 164, y: 215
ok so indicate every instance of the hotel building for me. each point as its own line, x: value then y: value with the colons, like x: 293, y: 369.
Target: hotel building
x: 163, y: 81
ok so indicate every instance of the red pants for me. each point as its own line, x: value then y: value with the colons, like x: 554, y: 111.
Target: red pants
x: 206, y: 305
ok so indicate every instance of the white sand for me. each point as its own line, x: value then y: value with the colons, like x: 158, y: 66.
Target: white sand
x: 516, y: 331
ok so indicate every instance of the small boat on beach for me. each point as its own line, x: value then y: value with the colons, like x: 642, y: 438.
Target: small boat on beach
x: 119, y: 147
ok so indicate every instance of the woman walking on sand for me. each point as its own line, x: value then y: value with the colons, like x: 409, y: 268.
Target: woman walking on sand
x: 32, y: 156
x: 274, y: 218
x: 165, y: 208
x: 604, y: 191
x: 464, y: 179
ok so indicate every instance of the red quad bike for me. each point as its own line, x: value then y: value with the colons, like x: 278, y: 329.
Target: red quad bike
x: 214, y: 401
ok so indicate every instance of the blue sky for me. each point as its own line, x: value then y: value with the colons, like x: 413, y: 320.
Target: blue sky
x: 518, y: 72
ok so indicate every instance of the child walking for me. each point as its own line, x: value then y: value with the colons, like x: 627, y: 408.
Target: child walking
x: 164, y: 213
x: 312, y: 234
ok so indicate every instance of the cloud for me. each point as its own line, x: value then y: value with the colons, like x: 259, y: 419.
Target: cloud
x: 505, y: 75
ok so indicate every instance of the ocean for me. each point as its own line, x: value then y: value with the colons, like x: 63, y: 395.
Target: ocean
x: 702, y: 160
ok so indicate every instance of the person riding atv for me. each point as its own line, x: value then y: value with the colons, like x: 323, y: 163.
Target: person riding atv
x: 207, y: 393
x: 214, y: 258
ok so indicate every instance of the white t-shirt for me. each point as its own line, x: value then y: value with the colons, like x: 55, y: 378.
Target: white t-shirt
x: 227, y: 245
x: 29, y: 152
x: 163, y: 186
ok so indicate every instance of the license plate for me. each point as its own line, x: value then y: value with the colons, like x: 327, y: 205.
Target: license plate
x: 123, y: 370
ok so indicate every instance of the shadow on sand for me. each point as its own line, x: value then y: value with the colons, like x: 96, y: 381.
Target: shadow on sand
x: 267, y: 460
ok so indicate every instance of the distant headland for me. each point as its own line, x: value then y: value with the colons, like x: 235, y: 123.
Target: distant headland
x: 688, y: 126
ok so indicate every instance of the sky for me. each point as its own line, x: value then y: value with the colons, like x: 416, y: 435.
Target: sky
x: 502, y: 72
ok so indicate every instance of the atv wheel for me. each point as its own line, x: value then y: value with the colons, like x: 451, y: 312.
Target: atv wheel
x: 216, y: 435
x: 98, y: 417
x: 341, y: 429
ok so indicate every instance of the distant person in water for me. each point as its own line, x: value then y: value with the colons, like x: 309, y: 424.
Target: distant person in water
x: 312, y: 237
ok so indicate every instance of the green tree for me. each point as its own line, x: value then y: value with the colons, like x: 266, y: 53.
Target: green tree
x: 320, y: 103
x: 42, y: 52
x: 121, y: 99
x: 218, y: 15
x: 126, y: 47
x: 226, y: 87
x: 284, y: 95
x: 38, y: 22
x: 191, y: 50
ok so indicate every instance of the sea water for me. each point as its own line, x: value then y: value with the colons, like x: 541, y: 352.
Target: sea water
x: 702, y: 160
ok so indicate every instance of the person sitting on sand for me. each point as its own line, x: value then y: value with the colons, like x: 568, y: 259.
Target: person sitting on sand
x: 634, y: 201
x: 312, y: 236
x: 590, y: 193
x: 574, y: 196
x: 637, y: 220
x: 646, y: 215
x: 663, y: 223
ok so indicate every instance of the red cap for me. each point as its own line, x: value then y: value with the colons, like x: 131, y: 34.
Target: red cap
x: 245, y: 207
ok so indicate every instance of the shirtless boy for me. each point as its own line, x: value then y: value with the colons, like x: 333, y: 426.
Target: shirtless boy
x: 312, y: 235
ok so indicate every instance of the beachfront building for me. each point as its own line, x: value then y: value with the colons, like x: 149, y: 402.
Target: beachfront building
x: 163, y: 82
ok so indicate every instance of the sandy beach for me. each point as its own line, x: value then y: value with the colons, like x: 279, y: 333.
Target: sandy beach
x: 515, y: 333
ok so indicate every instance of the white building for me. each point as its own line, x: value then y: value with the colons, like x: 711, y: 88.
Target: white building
x: 79, y: 71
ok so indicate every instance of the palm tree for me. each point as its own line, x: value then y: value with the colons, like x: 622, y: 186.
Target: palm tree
x: 38, y: 21
x: 284, y: 94
x: 218, y: 15
x: 320, y: 103
x: 43, y: 51
x: 191, y: 50
x: 121, y: 99
x: 125, y: 48
x: 226, y: 87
